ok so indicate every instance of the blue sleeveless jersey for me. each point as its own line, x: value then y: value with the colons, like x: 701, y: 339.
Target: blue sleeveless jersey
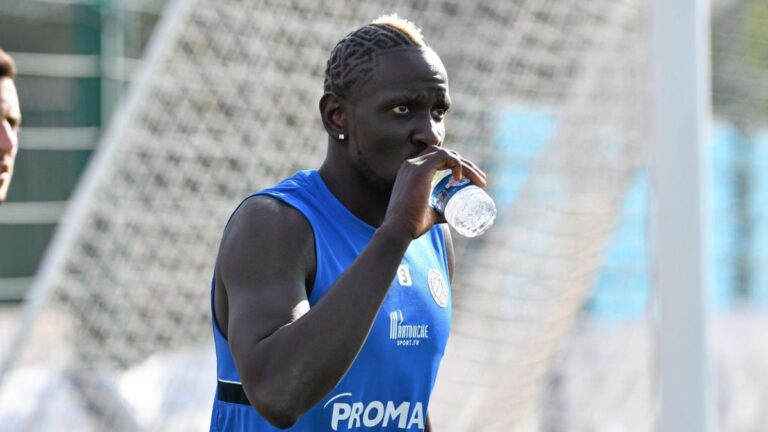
x: 387, y: 388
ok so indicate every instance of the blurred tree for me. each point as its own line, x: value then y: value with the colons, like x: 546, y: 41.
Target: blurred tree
x: 740, y: 89
x: 757, y: 36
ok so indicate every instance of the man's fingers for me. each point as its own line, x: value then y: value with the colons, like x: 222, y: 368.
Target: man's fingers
x: 476, y: 169
x: 448, y: 159
x: 466, y: 169
x: 476, y: 175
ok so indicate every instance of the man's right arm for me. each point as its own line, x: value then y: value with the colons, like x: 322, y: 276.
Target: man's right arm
x: 288, y: 355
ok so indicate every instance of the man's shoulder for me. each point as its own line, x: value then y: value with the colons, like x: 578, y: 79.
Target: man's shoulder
x: 299, y: 181
x: 268, y: 212
x: 264, y: 229
x: 277, y: 204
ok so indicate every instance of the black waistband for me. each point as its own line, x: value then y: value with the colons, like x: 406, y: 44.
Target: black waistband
x: 232, y: 393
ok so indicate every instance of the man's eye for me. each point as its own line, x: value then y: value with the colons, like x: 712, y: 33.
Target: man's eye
x: 401, y: 110
x: 439, y: 112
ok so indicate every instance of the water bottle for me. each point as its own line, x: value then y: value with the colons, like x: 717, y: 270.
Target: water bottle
x: 466, y: 207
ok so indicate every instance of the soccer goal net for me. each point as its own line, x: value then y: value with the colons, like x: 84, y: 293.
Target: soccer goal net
x: 549, y: 97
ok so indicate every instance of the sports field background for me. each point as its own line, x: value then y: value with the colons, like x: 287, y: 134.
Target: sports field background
x: 576, y: 358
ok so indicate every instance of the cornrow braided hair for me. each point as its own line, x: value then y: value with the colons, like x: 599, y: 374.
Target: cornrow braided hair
x: 351, y: 62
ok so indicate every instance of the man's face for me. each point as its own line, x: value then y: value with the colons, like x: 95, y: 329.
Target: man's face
x: 10, y: 115
x: 397, y: 114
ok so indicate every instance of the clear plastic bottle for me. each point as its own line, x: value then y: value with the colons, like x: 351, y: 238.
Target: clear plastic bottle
x: 466, y: 207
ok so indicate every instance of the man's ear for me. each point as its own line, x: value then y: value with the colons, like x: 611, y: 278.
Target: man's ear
x: 333, y: 113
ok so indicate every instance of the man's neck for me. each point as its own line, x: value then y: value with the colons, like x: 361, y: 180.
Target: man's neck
x: 353, y: 192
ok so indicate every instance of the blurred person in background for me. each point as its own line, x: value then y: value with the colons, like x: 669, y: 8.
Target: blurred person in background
x: 11, y: 117
x: 330, y: 297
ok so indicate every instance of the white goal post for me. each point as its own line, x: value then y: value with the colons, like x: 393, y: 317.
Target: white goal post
x: 682, y: 112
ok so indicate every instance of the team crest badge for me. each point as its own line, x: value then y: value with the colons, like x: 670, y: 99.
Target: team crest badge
x: 438, y: 288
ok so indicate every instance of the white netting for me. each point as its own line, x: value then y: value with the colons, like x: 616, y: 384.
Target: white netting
x: 548, y: 97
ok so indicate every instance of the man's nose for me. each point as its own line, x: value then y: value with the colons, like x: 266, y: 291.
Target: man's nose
x: 428, y: 132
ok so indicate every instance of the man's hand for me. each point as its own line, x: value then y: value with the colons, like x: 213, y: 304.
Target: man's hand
x: 409, y: 208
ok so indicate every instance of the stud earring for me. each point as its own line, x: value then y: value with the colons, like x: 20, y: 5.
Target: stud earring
x: 341, y: 136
